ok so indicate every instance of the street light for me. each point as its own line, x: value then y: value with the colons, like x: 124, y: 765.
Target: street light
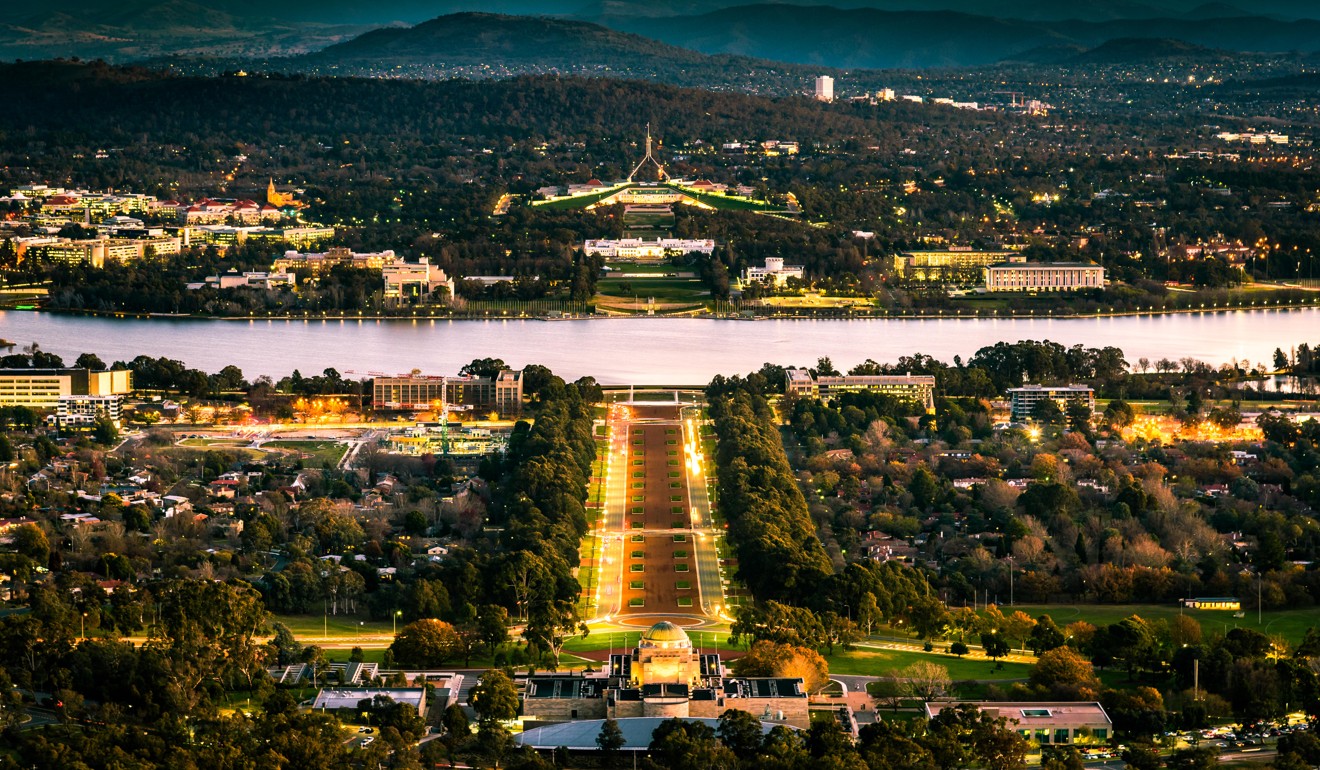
x: 395, y: 620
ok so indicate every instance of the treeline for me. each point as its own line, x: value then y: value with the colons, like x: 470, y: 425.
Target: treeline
x: 779, y: 555
x: 543, y: 511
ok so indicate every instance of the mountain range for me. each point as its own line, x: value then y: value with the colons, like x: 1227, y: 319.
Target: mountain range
x: 625, y: 40
x: 874, y: 39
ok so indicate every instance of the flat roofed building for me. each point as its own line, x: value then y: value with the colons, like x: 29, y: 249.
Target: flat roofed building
x: 509, y: 392
x: 408, y: 393
x: 1023, y: 400
x: 639, y: 248
x: 1231, y: 603
x: 405, y: 280
x: 348, y: 699
x: 950, y: 264
x: 1044, y: 276
x: 1045, y: 722
x: 913, y: 387
x: 323, y: 262
x: 42, y: 388
x: 86, y: 410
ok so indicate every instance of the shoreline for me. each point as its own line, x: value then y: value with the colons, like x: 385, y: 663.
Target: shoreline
x: 922, y: 316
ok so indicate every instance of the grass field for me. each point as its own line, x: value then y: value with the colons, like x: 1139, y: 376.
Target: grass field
x: 310, y: 629
x: 327, y: 452
x: 868, y: 662
x: 1289, y: 624
x: 215, y: 442
x: 663, y: 289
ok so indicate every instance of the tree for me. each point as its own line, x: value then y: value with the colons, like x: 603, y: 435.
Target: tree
x: 426, y: 643
x: 494, y: 698
x: 926, y: 680
x: 741, y: 733
x: 493, y: 626
x: 1061, y: 758
x: 455, y: 724
x: 1045, y: 635
x: 1119, y: 414
x: 994, y: 644
x: 104, y: 431
x: 30, y: 540
x: 610, y: 740
x: 959, y: 648
x: 1065, y: 673
x: 784, y: 660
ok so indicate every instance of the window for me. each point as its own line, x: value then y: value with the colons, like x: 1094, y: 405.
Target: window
x: 1036, y: 713
x: 1101, y: 734
x: 1061, y: 735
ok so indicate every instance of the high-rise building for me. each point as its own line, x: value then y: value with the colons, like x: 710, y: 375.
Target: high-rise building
x: 824, y: 88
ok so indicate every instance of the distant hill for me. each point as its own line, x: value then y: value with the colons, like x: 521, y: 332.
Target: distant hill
x: 134, y: 29
x: 1134, y: 50
x: 494, y: 45
x: 877, y: 39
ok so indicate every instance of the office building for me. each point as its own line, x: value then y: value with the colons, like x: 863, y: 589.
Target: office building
x: 1044, y: 276
x: 824, y: 88
x: 1023, y: 400
x: 423, y: 280
x: 323, y: 262
x: 435, y: 393
x: 43, y: 388
x: 1047, y: 723
x: 84, y: 411
x: 408, y: 393
x: 912, y: 387
x: 965, y: 265
x: 640, y: 248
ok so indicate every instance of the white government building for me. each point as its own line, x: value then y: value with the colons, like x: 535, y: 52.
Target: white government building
x: 1044, y: 276
x: 640, y: 248
x: 774, y: 269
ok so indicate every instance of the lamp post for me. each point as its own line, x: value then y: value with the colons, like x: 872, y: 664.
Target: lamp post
x: 82, y: 627
x: 395, y: 620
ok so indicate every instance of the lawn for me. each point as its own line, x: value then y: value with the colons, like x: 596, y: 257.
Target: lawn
x: 663, y: 289
x: 575, y: 202
x: 1289, y: 624
x: 727, y: 202
x: 869, y: 662
x: 215, y: 442
x: 324, y: 452
x: 310, y: 628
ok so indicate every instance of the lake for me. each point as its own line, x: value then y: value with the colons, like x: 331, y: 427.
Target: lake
x: 640, y: 350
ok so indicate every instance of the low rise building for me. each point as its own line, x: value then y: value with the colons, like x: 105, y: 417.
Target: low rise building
x: 350, y: 699
x: 423, y: 280
x: 1231, y: 603
x: 953, y: 264
x: 775, y: 270
x: 912, y: 387
x: 1048, y: 723
x: 663, y: 677
x: 1044, y: 276
x: 1023, y: 400
x: 323, y: 262
x: 641, y: 248
x: 84, y: 411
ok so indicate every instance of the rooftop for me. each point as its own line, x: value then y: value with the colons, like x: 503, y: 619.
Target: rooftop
x: 581, y: 735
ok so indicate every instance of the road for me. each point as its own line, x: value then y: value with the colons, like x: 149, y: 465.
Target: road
x: 658, y: 554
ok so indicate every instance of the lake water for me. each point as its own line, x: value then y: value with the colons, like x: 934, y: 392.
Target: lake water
x: 641, y: 350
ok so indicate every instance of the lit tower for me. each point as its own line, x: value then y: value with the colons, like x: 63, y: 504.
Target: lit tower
x: 660, y: 170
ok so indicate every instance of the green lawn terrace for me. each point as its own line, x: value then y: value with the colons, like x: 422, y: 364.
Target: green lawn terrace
x: 699, y: 194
